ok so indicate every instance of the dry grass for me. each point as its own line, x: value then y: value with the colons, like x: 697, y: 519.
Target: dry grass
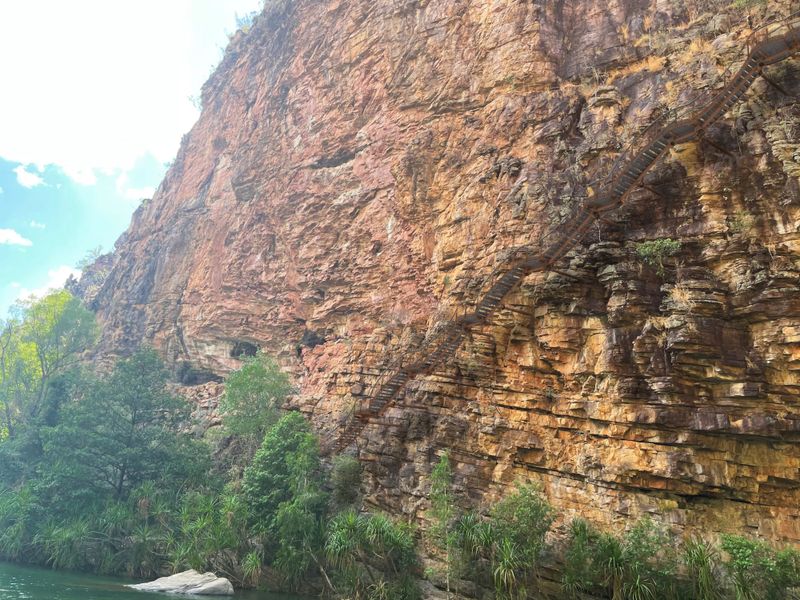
x: 652, y: 64
x: 681, y: 297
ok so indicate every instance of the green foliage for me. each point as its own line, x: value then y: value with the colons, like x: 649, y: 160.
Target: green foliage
x: 443, y: 510
x: 745, y: 4
x: 524, y: 517
x: 346, y: 481
x: 442, y: 501
x: 654, y: 252
x: 506, y: 547
x: 758, y: 571
x: 375, y: 556
x: 701, y: 560
x: 284, y: 466
x: 43, y: 339
x: 283, y: 489
x: 123, y: 431
x: 640, y: 565
x: 742, y: 222
x: 253, y: 395
x: 580, y: 572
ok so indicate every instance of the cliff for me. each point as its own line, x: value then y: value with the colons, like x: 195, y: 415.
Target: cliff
x: 359, y: 165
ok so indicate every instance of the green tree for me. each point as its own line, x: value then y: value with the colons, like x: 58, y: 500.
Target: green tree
x: 253, y: 395
x: 120, y: 431
x: 286, y: 464
x: 345, y: 481
x: 40, y: 344
x: 443, y: 511
x: 60, y: 330
x: 520, y: 520
x: 759, y: 572
x: 282, y: 488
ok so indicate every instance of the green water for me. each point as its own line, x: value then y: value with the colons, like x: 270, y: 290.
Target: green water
x: 26, y: 583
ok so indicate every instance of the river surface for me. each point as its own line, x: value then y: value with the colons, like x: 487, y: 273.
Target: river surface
x: 28, y: 583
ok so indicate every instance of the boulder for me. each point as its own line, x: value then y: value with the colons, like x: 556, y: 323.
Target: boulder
x: 189, y: 582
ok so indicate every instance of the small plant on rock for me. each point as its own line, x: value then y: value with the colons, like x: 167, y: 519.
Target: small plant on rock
x: 655, y: 252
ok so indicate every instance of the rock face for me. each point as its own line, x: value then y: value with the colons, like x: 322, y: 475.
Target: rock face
x: 359, y: 164
x: 188, y: 582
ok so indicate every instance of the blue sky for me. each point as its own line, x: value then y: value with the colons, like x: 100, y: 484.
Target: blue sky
x: 96, y: 96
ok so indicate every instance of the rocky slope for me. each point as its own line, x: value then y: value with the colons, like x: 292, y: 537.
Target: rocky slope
x: 357, y: 163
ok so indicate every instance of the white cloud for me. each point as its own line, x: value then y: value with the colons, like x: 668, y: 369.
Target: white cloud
x: 132, y: 95
x: 122, y: 184
x: 140, y: 193
x: 12, y: 238
x: 37, y: 225
x: 26, y: 178
x: 56, y: 278
x: 1, y: 190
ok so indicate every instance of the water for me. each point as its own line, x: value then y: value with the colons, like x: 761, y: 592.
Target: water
x: 27, y: 583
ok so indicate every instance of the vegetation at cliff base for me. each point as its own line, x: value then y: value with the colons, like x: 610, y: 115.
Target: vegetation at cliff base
x: 103, y: 471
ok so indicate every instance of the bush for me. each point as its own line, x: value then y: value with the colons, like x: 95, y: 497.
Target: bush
x: 509, y: 543
x: 346, y: 482
x: 375, y: 556
x: 253, y: 395
x: 759, y: 572
x: 701, y: 561
x: 637, y: 566
x: 653, y: 253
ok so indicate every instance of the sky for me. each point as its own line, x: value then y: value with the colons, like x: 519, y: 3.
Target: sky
x: 95, y: 98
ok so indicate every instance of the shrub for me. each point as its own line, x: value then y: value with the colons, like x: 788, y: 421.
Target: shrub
x: 744, y: 4
x: 375, y: 556
x: 346, y: 481
x: 701, y: 560
x: 759, y: 572
x: 637, y: 566
x: 253, y: 395
x: 506, y: 546
x: 742, y: 223
x: 654, y: 252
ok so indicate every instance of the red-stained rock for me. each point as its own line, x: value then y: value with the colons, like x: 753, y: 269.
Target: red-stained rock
x: 357, y: 162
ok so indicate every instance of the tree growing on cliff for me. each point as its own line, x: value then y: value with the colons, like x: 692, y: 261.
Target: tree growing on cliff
x: 346, y: 482
x: 253, y: 395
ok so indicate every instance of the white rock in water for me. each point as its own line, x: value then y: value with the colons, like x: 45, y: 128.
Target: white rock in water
x: 189, y: 582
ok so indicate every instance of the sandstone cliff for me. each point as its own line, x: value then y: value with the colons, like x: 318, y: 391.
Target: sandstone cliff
x: 357, y: 163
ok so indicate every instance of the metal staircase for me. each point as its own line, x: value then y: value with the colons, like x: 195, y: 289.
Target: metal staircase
x: 768, y: 45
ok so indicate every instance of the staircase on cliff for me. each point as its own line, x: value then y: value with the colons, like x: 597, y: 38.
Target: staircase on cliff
x: 768, y: 45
